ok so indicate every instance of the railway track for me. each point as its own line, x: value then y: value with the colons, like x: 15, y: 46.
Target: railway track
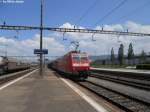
x: 125, y: 74
x: 125, y: 102
x: 10, y: 76
x: 142, y: 84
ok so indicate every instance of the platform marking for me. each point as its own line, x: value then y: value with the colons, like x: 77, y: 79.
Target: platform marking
x: 16, y: 80
x: 93, y: 103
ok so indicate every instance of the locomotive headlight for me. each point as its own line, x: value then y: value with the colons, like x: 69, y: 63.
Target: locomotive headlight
x: 73, y: 68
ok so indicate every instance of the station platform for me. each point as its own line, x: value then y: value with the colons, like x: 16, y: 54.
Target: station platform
x: 123, y: 70
x: 48, y: 93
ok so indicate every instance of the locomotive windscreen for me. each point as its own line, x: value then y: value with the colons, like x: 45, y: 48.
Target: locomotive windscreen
x: 76, y: 58
x: 80, y: 57
x: 83, y: 58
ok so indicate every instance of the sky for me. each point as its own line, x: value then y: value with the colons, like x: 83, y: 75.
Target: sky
x: 132, y: 15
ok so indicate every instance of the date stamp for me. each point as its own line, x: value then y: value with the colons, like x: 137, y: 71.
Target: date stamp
x: 11, y: 1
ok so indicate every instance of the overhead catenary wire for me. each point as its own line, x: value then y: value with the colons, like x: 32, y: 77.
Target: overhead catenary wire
x: 85, y: 14
x: 133, y: 12
x: 4, y: 24
x: 87, y: 11
x: 110, y: 12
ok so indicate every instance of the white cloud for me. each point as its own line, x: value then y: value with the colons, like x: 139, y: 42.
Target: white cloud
x: 102, y: 45
x: 26, y: 47
x: 134, y: 27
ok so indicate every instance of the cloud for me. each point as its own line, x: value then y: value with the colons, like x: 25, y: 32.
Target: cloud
x: 26, y: 47
x: 102, y: 45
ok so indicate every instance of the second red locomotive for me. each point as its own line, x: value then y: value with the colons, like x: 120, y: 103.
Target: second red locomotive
x: 75, y: 64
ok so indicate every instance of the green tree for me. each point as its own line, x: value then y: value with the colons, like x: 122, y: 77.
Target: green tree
x: 130, y: 52
x: 121, y: 54
x: 112, y: 56
x: 143, y: 57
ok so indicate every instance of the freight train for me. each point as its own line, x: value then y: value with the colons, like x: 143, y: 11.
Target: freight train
x: 74, y: 64
x: 11, y: 64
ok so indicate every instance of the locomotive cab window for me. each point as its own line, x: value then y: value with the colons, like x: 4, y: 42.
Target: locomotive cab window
x: 76, y: 58
x: 84, y: 58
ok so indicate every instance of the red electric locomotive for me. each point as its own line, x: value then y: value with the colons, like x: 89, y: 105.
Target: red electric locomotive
x: 75, y: 64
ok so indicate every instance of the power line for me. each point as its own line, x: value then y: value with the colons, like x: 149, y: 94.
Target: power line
x: 110, y: 12
x: 133, y: 12
x: 87, y: 11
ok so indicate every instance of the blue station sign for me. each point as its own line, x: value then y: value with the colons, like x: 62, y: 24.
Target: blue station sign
x: 38, y: 51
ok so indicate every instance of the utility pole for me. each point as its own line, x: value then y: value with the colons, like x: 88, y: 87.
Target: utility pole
x: 41, y: 39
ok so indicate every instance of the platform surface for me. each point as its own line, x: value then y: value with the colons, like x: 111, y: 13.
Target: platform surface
x: 124, y: 70
x: 47, y: 94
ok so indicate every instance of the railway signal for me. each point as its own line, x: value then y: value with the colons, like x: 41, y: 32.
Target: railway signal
x: 64, y: 30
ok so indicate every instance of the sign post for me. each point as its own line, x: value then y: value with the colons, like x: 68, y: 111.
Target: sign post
x: 41, y: 53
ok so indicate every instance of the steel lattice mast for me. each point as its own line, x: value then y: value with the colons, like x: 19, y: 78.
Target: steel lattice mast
x: 9, y: 27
